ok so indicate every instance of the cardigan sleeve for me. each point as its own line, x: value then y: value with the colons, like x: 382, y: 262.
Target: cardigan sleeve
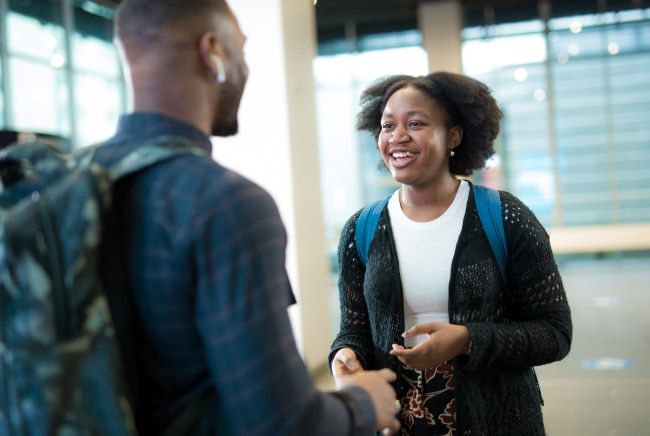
x: 538, y: 329
x: 354, y: 331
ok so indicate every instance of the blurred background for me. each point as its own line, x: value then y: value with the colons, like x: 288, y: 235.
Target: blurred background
x: 573, y: 81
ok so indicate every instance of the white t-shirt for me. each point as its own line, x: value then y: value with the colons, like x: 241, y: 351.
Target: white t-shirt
x: 425, y: 251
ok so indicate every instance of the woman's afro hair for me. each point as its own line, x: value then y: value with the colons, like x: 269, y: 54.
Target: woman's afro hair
x: 467, y: 101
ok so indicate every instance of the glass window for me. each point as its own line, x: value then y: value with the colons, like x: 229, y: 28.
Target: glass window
x: 37, y: 76
x: 2, y: 99
x: 39, y: 97
x: 595, y: 91
x: 484, y: 55
x: 523, y: 151
x: 99, y: 104
x: 99, y: 90
x: 94, y: 55
x: 500, y: 30
x: 35, y: 39
x: 43, y: 77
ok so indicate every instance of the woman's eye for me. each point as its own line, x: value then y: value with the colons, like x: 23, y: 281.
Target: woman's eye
x: 387, y: 126
x: 415, y: 123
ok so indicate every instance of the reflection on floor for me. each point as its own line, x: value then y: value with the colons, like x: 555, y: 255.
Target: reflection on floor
x: 603, y: 386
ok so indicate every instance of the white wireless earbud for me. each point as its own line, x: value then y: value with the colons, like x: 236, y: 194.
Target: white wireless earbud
x: 221, y: 69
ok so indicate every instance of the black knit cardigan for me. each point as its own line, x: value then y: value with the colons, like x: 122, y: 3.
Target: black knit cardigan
x: 512, y: 328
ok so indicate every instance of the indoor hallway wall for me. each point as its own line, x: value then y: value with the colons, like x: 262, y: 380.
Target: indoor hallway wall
x: 277, y: 147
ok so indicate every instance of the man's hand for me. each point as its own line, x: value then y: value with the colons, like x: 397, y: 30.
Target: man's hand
x: 445, y: 342
x: 376, y: 383
x: 345, y: 363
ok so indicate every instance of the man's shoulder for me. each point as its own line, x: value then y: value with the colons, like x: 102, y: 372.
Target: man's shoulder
x: 218, y: 189
x: 243, y: 193
x: 194, y: 175
x: 215, y: 187
x: 233, y: 202
x: 213, y: 176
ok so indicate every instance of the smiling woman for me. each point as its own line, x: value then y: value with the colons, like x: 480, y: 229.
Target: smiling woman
x: 415, y: 141
x: 430, y: 302
x: 467, y: 103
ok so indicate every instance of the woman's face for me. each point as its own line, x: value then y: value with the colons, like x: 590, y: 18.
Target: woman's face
x: 414, y: 141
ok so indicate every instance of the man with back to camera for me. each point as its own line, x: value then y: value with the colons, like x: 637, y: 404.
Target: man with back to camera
x: 204, y: 248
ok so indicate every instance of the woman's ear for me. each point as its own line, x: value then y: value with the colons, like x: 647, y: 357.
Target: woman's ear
x: 455, y: 136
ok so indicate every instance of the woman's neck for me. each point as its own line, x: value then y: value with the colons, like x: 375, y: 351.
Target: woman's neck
x: 428, y: 203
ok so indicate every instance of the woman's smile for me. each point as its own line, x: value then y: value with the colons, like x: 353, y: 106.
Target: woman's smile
x: 402, y: 158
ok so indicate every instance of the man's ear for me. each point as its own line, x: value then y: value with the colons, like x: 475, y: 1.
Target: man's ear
x: 213, y: 57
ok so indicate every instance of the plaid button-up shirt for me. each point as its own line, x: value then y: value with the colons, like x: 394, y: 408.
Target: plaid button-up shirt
x: 204, y: 250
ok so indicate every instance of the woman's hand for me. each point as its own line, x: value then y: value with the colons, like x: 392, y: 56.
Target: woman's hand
x: 345, y: 363
x: 445, y: 342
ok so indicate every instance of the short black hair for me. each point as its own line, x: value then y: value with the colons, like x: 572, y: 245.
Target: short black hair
x: 139, y: 17
x: 468, y: 102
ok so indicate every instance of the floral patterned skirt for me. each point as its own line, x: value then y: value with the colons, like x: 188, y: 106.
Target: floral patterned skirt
x: 428, y: 401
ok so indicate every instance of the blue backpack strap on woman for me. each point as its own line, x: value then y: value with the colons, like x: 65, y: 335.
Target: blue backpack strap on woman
x: 488, y: 205
x: 366, y: 226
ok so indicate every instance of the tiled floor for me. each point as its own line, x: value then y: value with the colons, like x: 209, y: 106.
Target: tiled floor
x: 603, y: 386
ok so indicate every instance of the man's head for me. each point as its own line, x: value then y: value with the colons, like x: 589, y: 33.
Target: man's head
x: 192, y: 48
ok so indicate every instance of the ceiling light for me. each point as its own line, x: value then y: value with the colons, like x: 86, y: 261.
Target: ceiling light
x: 57, y: 60
x: 520, y: 74
x: 575, y: 27
x: 613, y: 48
x: 539, y: 95
x: 50, y: 41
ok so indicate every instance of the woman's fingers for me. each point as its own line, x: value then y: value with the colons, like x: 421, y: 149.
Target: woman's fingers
x: 345, y: 363
x: 405, y: 355
x: 413, y: 358
x: 349, y: 360
x: 422, y: 329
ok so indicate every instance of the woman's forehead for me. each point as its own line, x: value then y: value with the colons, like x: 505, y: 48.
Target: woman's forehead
x: 409, y: 99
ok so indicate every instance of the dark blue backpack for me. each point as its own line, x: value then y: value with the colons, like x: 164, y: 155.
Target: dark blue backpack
x: 488, y: 205
x: 65, y: 320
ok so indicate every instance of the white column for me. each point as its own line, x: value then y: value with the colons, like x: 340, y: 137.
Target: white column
x: 440, y: 23
x: 277, y: 147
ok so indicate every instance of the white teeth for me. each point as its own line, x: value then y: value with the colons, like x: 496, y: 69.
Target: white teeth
x: 400, y: 154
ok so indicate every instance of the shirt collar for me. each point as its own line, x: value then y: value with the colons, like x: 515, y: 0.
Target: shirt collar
x: 151, y: 124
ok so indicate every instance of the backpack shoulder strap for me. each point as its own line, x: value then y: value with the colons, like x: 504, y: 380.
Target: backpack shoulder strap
x: 153, y: 152
x: 488, y: 206
x: 367, y: 225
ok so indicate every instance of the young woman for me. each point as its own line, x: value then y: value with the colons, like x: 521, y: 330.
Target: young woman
x: 430, y: 302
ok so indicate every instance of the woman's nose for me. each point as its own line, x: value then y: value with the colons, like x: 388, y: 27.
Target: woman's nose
x: 398, y: 135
